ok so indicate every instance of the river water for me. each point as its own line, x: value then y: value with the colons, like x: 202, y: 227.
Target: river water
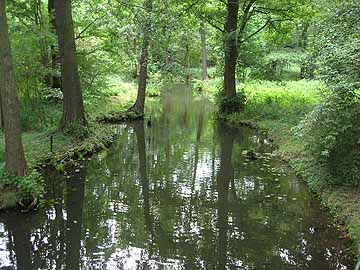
x: 179, y: 191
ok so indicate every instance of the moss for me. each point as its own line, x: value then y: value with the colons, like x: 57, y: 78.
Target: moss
x: 99, y: 140
x: 118, y: 117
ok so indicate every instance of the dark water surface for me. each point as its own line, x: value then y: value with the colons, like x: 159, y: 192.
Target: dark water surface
x: 176, y: 193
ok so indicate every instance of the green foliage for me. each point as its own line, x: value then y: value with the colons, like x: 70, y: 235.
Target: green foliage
x: 331, y: 131
x: 30, y: 186
x: 331, y: 135
x: 283, y: 65
x: 153, y: 88
x: 198, y: 86
x: 228, y: 105
x: 270, y: 99
x: 337, y: 48
x: 78, y: 131
x: 287, y: 101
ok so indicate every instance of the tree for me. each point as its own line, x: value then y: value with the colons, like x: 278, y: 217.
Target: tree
x: 203, y: 53
x: 55, y: 81
x: 15, y: 162
x: 230, y: 48
x: 143, y: 74
x: 1, y: 115
x: 73, y: 111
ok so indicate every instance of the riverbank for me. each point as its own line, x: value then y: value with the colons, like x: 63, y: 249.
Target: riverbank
x: 45, y: 147
x: 277, y: 109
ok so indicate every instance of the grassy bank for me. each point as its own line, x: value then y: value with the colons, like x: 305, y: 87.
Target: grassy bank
x: 66, y: 147
x: 278, y: 109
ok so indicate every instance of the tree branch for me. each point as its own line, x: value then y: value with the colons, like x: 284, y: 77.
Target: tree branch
x: 256, y: 32
x: 211, y: 22
x: 78, y: 36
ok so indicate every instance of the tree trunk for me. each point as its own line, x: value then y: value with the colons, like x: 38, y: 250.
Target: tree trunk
x: 140, y: 100
x: 231, y: 53
x: 303, y: 39
x: 204, y: 74
x: 15, y: 162
x: 55, y: 81
x: 73, y: 111
x: 1, y: 115
x: 303, y: 43
x: 37, y: 7
x: 187, y: 62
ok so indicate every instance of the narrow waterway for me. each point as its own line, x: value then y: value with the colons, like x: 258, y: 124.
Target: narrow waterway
x: 179, y: 191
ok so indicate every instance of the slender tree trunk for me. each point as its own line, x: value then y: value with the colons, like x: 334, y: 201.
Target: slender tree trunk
x: 43, y: 41
x: 55, y: 81
x: 231, y: 53
x: 204, y: 73
x: 14, y: 153
x: 140, y: 100
x: 187, y: 62
x: 73, y: 100
x: 303, y: 43
x: 1, y: 114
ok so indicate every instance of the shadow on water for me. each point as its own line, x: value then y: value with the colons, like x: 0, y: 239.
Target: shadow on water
x: 179, y: 192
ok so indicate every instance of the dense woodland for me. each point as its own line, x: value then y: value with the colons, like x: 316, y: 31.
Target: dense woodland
x: 292, y: 67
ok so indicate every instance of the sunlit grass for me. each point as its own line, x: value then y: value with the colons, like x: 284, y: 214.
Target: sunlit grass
x: 274, y: 100
x: 288, y: 101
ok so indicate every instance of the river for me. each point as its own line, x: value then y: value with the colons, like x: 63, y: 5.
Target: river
x: 178, y: 191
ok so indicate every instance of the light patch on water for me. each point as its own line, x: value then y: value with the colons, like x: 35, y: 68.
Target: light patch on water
x: 133, y: 258
x: 4, y: 252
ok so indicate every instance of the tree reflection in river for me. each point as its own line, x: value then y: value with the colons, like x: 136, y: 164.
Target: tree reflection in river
x: 225, y: 176
x: 75, y: 190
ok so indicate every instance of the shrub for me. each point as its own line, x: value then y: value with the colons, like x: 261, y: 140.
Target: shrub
x: 331, y: 135
x: 198, y: 86
x: 228, y: 105
x: 30, y: 186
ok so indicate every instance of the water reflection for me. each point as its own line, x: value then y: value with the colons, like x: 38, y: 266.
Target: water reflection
x: 75, y: 190
x: 224, y: 178
x: 178, y: 193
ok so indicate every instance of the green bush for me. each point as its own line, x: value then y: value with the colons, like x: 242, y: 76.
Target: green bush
x: 331, y: 135
x: 228, y: 105
x: 198, y: 86
x: 30, y: 186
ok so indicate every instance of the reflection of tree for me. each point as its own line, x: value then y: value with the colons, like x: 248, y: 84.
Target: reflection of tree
x: 224, y: 177
x: 20, y: 240
x: 198, y: 134
x: 55, y: 192
x: 140, y: 136
x: 75, y: 189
